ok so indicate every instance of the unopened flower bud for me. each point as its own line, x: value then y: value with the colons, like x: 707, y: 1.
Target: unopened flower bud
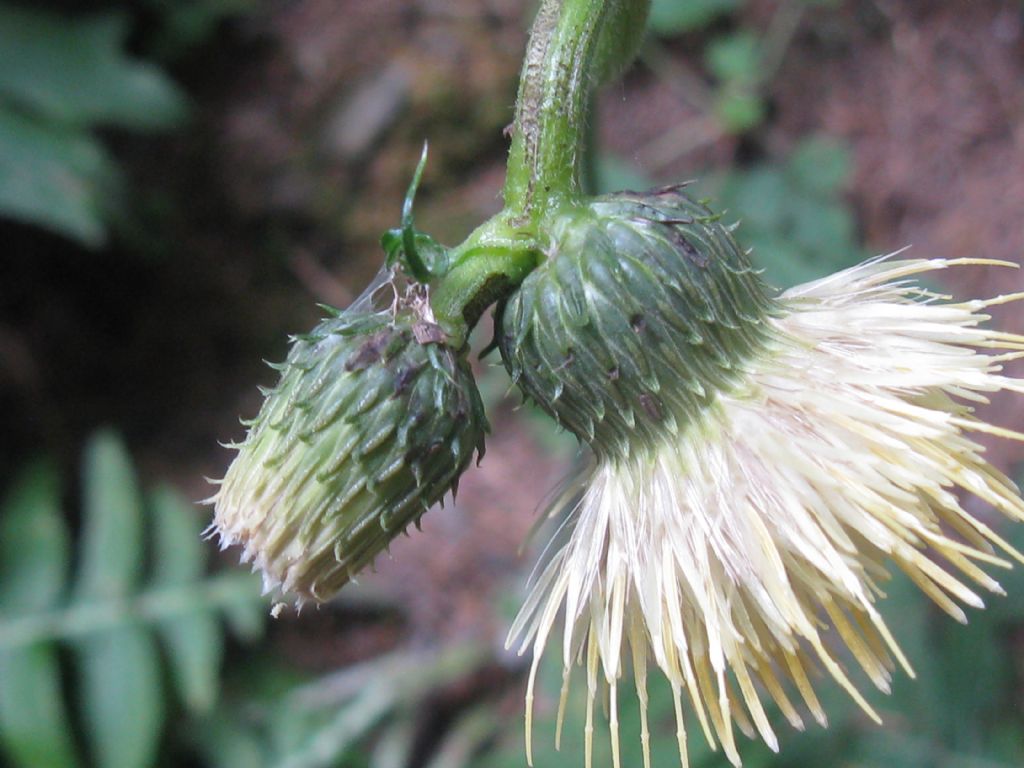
x: 373, y: 421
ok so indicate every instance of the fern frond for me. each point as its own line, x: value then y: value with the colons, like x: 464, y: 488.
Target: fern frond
x: 111, y: 616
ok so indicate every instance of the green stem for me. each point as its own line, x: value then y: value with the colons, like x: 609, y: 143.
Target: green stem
x: 574, y: 45
x: 157, y: 604
x: 485, y: 268
x: 559, y: 74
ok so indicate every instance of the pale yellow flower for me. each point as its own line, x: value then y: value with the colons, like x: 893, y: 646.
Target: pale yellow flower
x: 731, y: 550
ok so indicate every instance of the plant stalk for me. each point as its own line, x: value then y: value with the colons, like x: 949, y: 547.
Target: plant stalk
x: 560, y: 71
x: 574, y: 45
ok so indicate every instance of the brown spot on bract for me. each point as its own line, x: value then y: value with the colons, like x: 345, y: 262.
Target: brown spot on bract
x: 405, y: 377
x: 695, y: 256
x: 369, y: 351
x: 650, y: 405
x: 428, y: 333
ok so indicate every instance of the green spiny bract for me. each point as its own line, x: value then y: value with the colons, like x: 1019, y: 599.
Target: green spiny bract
x: 373, y: 421
x: 644, y: 308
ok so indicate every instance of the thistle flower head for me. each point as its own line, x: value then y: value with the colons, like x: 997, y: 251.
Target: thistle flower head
x: 801, y: 446
x: 372, y: 422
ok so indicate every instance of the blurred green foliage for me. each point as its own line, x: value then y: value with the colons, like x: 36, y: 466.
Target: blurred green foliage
x: 740, y: 61
x: 140, y: 580
x: 62, y: 80
x: 736, y: 61
x: 792, y: 214
x: 368, y: 713
x: 671, y: 17
x: 185, y: 24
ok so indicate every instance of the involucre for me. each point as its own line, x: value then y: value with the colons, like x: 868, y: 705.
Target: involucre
x: 644, y: 308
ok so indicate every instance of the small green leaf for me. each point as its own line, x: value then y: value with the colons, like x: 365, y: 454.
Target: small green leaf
x: 54, y: 176
x: 739, y: 109
x: 247, y: 618
x: 823, y: 229
x: 179, y: 553
x: 74, y: 71
x: 757, y: 198
x: 674, y: 17
x: 33, y: 722
x: 33, y: 556
x: 112, y: 543
x: 33, y: 543
x: 194, y: 641
x: 735, y: 57
x: 820, y: 165
x: 184, y: 25
x: 122, y: 701
x: 229, y: 744
x: 119, y: 687
x: 59, y: 77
